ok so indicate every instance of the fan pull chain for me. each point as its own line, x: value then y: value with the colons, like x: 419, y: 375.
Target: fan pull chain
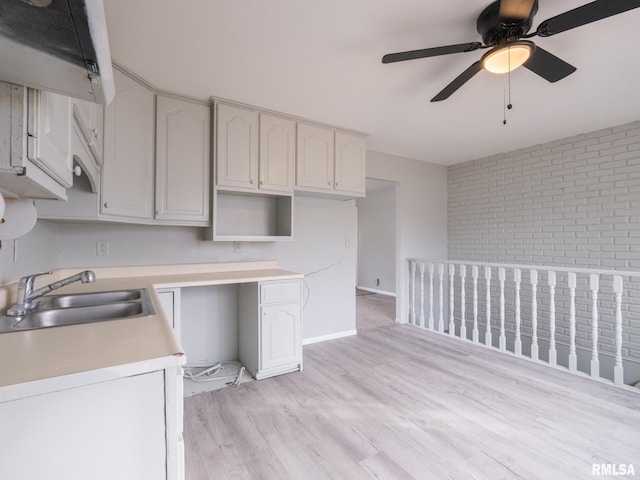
x: 506, y: 89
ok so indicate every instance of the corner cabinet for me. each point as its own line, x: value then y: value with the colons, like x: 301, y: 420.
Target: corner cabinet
x: 127, y: 174
x: 154, y: 168
x: 273, y: 344
x: 182, y: 161
x: 330, y: 161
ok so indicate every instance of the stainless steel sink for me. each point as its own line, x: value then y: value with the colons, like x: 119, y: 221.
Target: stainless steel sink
x: 74, y: 315
x: 86, y: 299
x: 63, y: 310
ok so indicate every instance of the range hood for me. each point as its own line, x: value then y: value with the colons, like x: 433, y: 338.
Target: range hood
x: 57, y: 45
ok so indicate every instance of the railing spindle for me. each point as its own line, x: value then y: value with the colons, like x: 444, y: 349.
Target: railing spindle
x: 452, y: 325
x: 441, y: 292
x: 553, y: 353
x: 463, y: 302
x: 502, y: 341
x: 487, y: 333
x: 412, y: 307
x: 474, y: 275
x: 534, y: 315
x: 431, y: 269
x: 573, y: 359
x: 422, y: 294
x: 618, y: 373
x: 517, y: 278
x: 594, y: 283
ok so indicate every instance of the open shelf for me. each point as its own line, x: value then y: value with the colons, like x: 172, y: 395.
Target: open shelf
x: 243, y: 216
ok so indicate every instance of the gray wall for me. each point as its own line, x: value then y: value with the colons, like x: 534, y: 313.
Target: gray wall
x: 377, y: 240
x: 36, y: 252
x: 421, y: 212
x: 571, y: 202
x: 318, y: 251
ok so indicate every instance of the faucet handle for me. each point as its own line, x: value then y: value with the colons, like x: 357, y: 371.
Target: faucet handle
x: 26, y: 283
x: 31, y: 278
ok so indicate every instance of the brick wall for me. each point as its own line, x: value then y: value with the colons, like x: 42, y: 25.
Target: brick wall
x: 571, y: 202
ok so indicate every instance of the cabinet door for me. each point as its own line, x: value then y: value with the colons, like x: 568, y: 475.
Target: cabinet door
x: 314, y: 161
x: 89, y: 118
x: 277, y: 153
x: 280, y: 343
x: 170, y: 299
x: 182, y: 161
x: 350, y: 163
x: 107, y: 430
x: 127, y: 174
x: 49, y: 142
x: 237, y: 147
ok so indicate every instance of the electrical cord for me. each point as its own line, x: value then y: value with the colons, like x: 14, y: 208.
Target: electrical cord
x: 209, y: 373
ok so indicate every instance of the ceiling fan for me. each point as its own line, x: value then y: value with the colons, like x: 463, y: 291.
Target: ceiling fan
x: 503, y: 25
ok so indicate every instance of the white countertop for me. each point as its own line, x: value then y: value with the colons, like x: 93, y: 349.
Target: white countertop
x: 37, y: 355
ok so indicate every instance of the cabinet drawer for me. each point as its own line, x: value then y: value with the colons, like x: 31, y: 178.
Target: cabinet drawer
x: 276, y: 292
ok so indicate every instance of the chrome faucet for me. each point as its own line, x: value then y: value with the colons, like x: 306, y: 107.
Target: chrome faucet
x: 26, y: 296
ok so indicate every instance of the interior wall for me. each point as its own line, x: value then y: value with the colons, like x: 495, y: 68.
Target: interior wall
x: 35, y: 252
x: 318, y: 250
x: 377, y: 240
x: 421, y: 212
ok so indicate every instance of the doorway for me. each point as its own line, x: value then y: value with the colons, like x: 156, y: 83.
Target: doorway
x: 376, y: 281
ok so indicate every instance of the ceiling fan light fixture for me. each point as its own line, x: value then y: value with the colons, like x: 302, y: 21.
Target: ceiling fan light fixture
x: 506, y: 58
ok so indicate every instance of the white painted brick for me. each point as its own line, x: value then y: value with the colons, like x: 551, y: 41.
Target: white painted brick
x: 568, y: 202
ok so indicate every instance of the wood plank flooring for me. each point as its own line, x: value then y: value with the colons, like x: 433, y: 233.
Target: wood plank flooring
x: 402, y: 403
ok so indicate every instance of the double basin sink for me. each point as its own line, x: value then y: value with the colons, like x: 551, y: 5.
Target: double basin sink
x: 62, y: 310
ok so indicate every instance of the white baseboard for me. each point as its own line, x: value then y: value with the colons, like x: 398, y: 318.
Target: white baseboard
x: 331, y: 336
x: 373, y: 290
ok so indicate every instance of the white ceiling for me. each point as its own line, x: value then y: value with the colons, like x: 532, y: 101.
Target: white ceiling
x: 322, y: 60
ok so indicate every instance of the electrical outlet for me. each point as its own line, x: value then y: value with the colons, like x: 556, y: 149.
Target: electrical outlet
x: 348, y: 242
x: 102, y: 248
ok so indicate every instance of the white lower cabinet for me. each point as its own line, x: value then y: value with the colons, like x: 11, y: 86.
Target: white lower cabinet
x: 129, y: 428
x: 270, y: 333
x: 170, y: 299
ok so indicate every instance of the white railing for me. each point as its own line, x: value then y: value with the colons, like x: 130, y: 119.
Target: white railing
x: 581, y: 319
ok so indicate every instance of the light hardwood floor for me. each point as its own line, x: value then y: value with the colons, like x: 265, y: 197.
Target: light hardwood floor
x: 401, y: 403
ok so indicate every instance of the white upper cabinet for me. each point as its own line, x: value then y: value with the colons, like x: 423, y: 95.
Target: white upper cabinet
x: 314, y: 160
x: 127, y: 175
x: 49, y: 135
x: 330, y: 161
x: 350, y: 163
x: 182, y: 160
x: 21, y: 175
x: 236, y: 147
x: 89, y: 118
x: 277, y: 153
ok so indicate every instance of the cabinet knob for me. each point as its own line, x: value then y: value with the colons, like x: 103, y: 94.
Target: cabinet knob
x: 328, y: 183
x: 106, y: 204
x: 261, y: 182
x: 251, y: 181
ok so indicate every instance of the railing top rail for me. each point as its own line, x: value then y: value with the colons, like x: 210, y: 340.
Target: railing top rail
x: 624, y: 273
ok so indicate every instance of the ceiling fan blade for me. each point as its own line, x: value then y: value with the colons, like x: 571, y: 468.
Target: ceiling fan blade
x: 431, y: 52
x: 463, y: 78
x: 548, y: 66
x: 591, y: 12
x: 516, y: 9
